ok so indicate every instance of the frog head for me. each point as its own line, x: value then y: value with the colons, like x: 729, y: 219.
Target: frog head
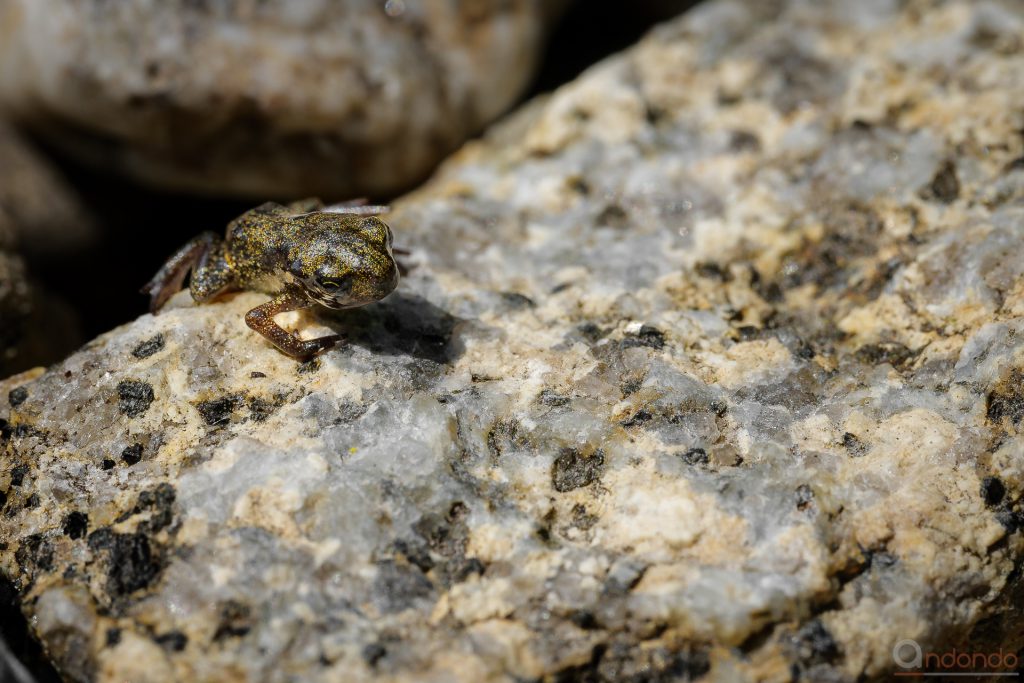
x: 343, y: 260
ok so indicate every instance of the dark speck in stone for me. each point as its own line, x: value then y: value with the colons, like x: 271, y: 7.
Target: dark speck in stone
x: 813, y: 644
x: 638, y: 418
x: 235, y: 620
x: 550, y: 398
x: 854, y: 445
x: 75, y: 525
x: 893, y: 353
x: 219, y: 411
x: 132, y: 564
x: 804, y: 497
x: 398, y: 586
x: 134, y: 397
x: 591, y: 332
x: 17, y: 396
x: 992, y: 490
x: 1007, y: 399
x: 149, y: 347
x: 373, y: 653
x: 515, y: 300
x: 744, y: 141
x: 647, y: 335
x: 694, y: 456
x: 132, y: 454
x: 944, y: 186
x: 572, y: 470
x: 174, y: 641
x: 310, y: 366
x: 18, y: 473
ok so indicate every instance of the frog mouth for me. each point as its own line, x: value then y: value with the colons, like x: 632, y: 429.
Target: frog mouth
x: 350, y: 298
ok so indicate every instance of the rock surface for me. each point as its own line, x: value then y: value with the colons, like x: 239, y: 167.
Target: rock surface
x: 340, y: 98
x: 710, y: 367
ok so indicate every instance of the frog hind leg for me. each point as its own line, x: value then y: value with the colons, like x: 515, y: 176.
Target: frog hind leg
x: 211, y: 275
x: 168, y: 280
x: 261, y: 319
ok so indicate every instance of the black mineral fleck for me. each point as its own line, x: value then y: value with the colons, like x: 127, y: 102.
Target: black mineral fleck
x: 235, y: 620
x: 149, y: 347
x: 34, y: 552
x: 18, y: 473
x: 694, y: 456
x: 992, y: 491
x: 1007, y: 399
x: 132, y: 564
x: 174, y: 641
x: 17, y: 396
x: 132, y: 454
x: 373, y: 653
x: 893, y: 353
x: 804, y: 497
x: 572, y: 470
x: 854, y: 445
x: 812, y: 644
x: 647, y: 335
x: 397, y: 586
x: 552, y: 398
x: 219, y: 410
x: 638, y: 418
x: 75, y: 525
x: 134, y: 397
x: 944, y: 186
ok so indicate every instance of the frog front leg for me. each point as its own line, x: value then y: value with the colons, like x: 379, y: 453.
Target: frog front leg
x: 202, y: 255
x: 261, y: 319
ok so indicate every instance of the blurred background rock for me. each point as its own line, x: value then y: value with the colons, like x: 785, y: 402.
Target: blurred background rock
x: 42, y: 218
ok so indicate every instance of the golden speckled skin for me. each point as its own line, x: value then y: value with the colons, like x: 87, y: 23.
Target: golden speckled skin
x: 298, y: 253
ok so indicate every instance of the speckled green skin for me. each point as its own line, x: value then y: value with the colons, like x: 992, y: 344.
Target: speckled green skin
x: 303, y: 254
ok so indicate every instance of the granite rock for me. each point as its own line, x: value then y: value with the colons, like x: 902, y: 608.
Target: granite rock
x: 267, y: 98
x: 709, y: 367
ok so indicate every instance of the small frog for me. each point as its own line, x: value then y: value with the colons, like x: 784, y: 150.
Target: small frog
x: 304, y: 253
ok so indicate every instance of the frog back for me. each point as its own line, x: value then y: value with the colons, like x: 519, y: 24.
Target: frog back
x: 257, y: 241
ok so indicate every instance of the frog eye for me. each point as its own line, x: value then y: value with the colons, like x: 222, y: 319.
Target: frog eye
x: 377, y: 227
x: 333, y: 284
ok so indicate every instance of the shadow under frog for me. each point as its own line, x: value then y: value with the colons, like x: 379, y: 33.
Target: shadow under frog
x: 403, y: 324
x: 305, y: 253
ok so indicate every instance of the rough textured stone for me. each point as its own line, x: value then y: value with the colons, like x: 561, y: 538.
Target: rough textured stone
x: 339, y: 98
x: 703, y: 371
